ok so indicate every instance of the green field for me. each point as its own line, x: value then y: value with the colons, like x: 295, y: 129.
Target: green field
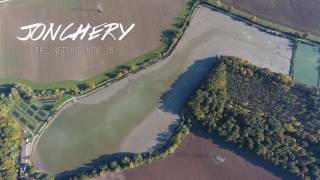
x: 306, y: 64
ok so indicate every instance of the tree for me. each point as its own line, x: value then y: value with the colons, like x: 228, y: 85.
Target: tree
x: 10, y: 140
x: 253, y: 18
x: 230, y: 8
x: 92, y: 85
x: 133, y: 67
x: 114, y: 165
x: 138, y: 159
x: 120, y: 75
x: 76, y: 90
x: 306, y: 35
x: 168, y: 36
x: 265, y: 112
x: 298, y: 34
x: 125, y: 161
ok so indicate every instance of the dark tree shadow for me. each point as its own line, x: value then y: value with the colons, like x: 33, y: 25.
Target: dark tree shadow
x: 167, y: 36
x: 93, y: 164
x: 185, y: 85
x: 171, y: 101
x: 163, y: 137
x: 249, y: 156
x: 6, y: 89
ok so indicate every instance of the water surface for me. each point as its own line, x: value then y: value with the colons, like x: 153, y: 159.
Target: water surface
x: 99, y: 124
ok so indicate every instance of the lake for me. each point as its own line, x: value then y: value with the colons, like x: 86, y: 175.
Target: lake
x: 130, y: 115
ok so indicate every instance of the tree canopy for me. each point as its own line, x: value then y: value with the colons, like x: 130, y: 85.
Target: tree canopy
x: 10, y: 140
x: 263, y: 111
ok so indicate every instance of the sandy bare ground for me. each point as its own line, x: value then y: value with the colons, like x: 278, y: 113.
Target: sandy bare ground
x: 20, y: 59
x: 210, y: 34
x: 196, y: 159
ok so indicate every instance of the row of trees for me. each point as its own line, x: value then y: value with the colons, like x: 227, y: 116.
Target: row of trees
x: 136, y: 160
x: 264, y: 112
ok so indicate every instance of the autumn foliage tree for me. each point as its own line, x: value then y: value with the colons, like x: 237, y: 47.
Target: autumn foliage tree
x: 262, y: 111
x: 10, y: 140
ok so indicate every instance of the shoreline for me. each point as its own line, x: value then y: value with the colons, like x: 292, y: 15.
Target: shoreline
x: 111, y: 84
x: 93, y: 99
x: 150, y: 126
x: 184, y: 51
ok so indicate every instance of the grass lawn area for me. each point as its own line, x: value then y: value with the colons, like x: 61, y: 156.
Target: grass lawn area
x: 31, y: 115
x: 306, y: 63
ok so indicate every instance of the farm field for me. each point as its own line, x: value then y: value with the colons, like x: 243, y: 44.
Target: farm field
x: 306, y: 64
x: 301, y: 15
x: 198, y: 158
x: 127, y: 113
x: 41, y: 61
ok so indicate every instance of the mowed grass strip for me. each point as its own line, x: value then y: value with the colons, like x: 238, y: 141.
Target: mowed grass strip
x: 23, y: 119
x: 306, y: 64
